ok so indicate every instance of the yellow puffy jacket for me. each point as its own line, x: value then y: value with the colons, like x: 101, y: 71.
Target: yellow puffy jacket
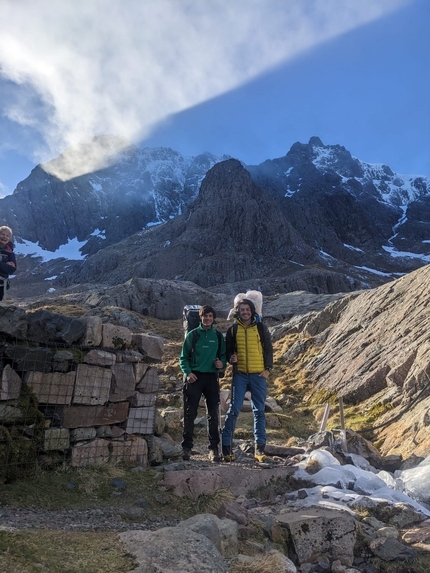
x: 254, y: 354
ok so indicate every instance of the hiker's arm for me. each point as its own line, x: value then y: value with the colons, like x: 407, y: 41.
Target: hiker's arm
x: 185, y: 358
x: 9, y: 267
x: 268, y: 349
x: 222, y: 356
x: 229, y: 344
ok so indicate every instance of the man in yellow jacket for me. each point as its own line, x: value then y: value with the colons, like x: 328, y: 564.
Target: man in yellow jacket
x: 249, y: 350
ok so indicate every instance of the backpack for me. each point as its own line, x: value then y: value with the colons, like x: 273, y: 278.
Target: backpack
x: 196, y: 335
x: 190, y: 317
x: 255, y: 297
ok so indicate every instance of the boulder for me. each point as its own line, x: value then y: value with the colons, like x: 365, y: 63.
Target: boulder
x: 98, y: 357
x: 389, y: 549
x: 116, y: 337
x: 317, y: 531
x: 45, y: 326
x: 10, y: 384
x: 26, y: 358
x: 13, y: 321
x: 151, y: 347
x: 93, y: 331
x: 174, y: 549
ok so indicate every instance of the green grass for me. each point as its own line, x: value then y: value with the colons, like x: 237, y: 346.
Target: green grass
x: 92, y: 489
x: 44, y: 551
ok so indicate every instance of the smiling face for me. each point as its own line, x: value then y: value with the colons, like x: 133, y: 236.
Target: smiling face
x: 207, y: 319
x: 245, y: 313
x: 5, y: 237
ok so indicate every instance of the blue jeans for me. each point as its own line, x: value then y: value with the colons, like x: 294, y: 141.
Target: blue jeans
x: 257, y: 385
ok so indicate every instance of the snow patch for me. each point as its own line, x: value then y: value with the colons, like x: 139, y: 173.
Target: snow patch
x: 70, y: 251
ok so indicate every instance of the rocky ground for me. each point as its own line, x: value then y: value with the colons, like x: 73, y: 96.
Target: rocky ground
x: 380, y: 337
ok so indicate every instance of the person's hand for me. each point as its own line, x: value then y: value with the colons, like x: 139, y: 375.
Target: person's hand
x: 191, y: 378
x: 233, y: 358
x: 265, y: 374
x: 218, y: 364
x: 11, y: 264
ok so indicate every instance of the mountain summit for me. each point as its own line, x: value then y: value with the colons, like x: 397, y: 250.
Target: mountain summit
x: 155, y: 213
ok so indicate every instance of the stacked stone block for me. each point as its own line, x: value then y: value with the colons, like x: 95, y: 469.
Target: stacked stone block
x: 95, y: 400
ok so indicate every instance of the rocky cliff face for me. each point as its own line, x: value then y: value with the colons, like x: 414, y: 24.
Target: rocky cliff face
x: 134, y: 189
x: 364, y: 215
x: 316, y: 212
x: 231, y: 232
x: 374, y: 347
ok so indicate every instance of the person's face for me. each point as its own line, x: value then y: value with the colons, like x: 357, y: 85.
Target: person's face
x: 207, y: 320
x: 4, y: 237
x: 245, y: 313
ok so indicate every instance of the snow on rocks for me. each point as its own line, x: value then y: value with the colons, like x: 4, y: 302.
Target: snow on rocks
x: 416, y: 481
x: 348, y: 483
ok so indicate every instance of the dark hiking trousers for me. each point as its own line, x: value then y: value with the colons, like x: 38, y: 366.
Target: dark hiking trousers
x: 208, y: 386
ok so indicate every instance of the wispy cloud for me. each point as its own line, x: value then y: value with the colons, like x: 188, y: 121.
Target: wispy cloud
x: 3, y: 190
x: 120, y: 67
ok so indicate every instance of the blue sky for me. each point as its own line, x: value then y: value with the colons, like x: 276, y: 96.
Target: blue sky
x: 243, y: 77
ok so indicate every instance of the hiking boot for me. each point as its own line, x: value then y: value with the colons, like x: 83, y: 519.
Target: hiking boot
x: 214, y: 455
x: 186, y: 454
x: 259, y: 454
x: 227, y: 454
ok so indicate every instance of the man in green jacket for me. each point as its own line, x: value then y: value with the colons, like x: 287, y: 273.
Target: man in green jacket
x: 202, y: 357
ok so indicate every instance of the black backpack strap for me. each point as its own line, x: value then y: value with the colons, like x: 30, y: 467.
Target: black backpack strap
x: 218, y: 333
x: 261, y: 334
x: 194, y: 337
x: 234, y: 333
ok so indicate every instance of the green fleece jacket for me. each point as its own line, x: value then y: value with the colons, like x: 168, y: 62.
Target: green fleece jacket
x: 202, y: 357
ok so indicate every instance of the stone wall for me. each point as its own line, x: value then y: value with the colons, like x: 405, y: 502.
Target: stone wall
x: 78, y: 390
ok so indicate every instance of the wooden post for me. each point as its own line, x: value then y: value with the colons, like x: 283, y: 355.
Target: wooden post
x: 342, y: 425
x: 325, y: 417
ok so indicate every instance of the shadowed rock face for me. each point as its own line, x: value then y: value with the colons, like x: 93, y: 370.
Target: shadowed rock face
x: 231, y: 232
x: 134, y: 187
x: 235, y: 231
x: 317, y: 207
x: 377, y: 346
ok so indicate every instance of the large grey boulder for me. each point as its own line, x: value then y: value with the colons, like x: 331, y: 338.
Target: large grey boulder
x: 45, y: 326
x: 316, y: 532
x: 222, y: 532
x: 163, y: 299
x: 13, y: 321
x: 173, y: 549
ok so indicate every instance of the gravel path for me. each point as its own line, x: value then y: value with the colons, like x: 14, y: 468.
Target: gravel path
x: 115, y: 518
x: 12, y: 519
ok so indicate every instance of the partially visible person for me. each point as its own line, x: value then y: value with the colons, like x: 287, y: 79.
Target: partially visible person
x: 249, y: 349
x: 202, y: 357
x: 8, y: 260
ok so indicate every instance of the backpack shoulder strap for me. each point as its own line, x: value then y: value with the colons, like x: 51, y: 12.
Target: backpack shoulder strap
x: 219, y: 335
x: 234, y: 334
x: 195, y: 337
x: 261, y: 333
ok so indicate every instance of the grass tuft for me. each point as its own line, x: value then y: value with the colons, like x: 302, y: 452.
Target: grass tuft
x: 211, y: 503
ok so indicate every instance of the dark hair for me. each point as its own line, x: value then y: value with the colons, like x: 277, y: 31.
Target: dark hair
x: 206, y: 309
x: 245, y: 301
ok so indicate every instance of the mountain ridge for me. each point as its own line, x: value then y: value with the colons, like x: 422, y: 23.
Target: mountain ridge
x: 328, y: 211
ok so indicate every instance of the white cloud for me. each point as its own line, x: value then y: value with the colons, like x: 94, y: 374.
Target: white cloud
x: 3, y: 190
x: 115, y: 66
